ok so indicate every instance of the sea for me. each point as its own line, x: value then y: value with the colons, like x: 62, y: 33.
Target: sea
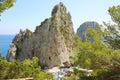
x: 5, y: 41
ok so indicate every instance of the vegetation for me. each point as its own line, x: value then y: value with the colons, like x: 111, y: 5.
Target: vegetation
x: 112, y: 32
x: 5, y: 4
x: 23, y: 69
x: 102, y: 56
x: 98, y: 56
x: 91, y: 55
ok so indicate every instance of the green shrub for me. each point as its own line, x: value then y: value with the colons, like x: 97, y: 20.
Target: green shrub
x: 23, y: 69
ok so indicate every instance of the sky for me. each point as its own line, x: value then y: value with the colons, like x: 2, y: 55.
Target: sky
x: 30, y: 13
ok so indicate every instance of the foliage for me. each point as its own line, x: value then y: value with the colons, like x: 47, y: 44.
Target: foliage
x: 5, y: 4
x: 90, y: 53
x: 114, y: 12
x: 72, y: 77
x: 113, y: 73
x: 43, y: 75
x: 96, y: 55
x: 112, y: 32
x: 100, y: 55
x: 23, y: 69
x: 3, y: 67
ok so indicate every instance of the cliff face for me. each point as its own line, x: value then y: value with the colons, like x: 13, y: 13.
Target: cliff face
x: 81, y: 31
x: 51, y: 42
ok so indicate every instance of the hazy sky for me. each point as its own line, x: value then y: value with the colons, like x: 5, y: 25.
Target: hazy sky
x: 30, y: 13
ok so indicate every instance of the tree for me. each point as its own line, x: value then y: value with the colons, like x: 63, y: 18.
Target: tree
x: 5, y: 4
x: 92, y: 54
x: 98, y: 55
x: 114, y: 12
x: 112, y: 32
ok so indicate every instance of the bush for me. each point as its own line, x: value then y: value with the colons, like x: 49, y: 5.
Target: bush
x: 23, y: 69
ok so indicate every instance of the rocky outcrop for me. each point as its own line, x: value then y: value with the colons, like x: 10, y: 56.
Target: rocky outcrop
x: 12, y: 52
x: 81, y: 31
x: 51, y: 42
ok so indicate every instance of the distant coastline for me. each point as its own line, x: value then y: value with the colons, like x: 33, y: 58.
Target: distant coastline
x: 5, y: 40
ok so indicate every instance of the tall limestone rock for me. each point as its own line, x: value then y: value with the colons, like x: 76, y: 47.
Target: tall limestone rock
x: 81, y: 31
x: 51, y: 42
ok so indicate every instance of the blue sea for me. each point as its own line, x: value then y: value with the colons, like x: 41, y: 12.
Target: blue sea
x: 5, y: 41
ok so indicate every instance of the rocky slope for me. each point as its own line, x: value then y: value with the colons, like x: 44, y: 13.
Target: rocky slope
x: 83, y: 27
x: 51, y: 42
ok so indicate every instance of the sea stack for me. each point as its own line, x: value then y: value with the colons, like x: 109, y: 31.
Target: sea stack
x: 81, y: 31
x: 51, y: 41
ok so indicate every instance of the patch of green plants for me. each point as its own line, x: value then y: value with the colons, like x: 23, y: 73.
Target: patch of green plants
x: 22, y: 69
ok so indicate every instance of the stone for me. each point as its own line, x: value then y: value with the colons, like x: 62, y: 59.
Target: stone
x: 51, y: 41
x: 12, y: 52
x: 81, y: 31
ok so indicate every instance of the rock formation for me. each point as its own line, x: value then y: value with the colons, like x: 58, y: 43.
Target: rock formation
x: 12, y: 52
x: 51, y: 42
x: 81, y: 31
